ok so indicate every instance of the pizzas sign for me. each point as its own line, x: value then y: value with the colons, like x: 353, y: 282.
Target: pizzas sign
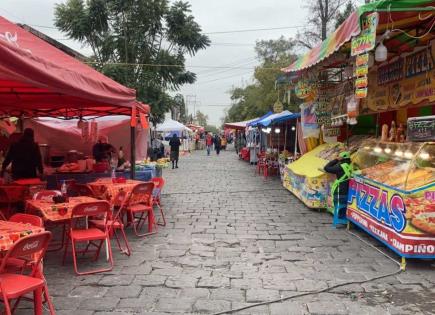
x: 389, y: 210
x: 403, y: 221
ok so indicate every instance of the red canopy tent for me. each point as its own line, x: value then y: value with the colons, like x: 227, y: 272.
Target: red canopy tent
x: 37, y: 79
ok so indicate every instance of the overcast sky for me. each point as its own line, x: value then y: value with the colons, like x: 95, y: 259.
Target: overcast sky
x: 229, y: 49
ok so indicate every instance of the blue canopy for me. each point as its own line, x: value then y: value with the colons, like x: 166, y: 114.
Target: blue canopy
x: 255, y: 122
x: 277, y: 118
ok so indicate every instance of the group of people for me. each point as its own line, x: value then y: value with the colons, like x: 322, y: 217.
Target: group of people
x: 219, y: 143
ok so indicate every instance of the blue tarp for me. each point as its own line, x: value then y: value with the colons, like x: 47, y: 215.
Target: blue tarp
x: 255, y: 122
x: 276, y: 118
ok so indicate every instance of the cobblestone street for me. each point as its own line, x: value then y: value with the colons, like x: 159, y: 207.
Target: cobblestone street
x: 233, y: 239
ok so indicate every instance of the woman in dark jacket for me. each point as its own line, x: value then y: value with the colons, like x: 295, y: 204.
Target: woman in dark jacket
x: 175, y: 143
x: 217, y: 144
x: 25, y: 157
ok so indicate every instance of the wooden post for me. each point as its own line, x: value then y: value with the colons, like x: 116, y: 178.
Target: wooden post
x: 133, y: 152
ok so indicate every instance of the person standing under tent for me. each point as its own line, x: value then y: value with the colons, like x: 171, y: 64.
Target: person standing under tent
x: 103, y: 150
x: 175, y: 144
x: 25, y: 157
x: 209, y: 143
x: 217, y: 144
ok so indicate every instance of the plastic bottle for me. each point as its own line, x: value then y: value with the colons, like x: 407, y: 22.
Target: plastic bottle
x: 113, y: 175
x: 64, y: 191
x: 63, y: 188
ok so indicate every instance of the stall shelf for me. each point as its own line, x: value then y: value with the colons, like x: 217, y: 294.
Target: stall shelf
x: 392, y: 196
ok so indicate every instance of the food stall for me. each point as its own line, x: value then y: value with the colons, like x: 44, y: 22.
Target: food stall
x: 240, y: 137
x: 378, y: 68
x: 39, y: 80
x: 392, y: 197
x: 304, y: 178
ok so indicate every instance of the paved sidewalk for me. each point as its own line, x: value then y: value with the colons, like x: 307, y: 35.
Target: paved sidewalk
x: 233, y: 239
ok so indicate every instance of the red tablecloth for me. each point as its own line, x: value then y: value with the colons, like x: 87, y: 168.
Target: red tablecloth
x: 10, y: 232
x: 56, y: 212
x: 105, y: 189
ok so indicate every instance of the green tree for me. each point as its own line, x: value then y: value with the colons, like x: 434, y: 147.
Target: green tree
x: 201, y: 118
x: 343, y: 15
x: 139, y: 43
x: 320, y: 21
x: 256, y: 99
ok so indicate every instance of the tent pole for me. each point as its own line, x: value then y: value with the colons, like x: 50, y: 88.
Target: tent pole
x: 296, y: 139
x: 285, y: 136
x: 133, y: 152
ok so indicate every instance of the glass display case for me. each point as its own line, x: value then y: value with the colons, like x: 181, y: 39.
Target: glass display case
x: 403, y: 166
x: 392, y: 195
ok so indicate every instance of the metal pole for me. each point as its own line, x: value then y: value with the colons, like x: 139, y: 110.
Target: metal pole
x: 296, y: 139
x: 285, y: 136
x: 133, y: 152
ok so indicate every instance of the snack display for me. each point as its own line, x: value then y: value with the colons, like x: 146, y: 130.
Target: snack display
x: 393, y: 196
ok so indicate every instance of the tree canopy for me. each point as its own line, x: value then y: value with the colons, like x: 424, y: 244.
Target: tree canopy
x: 139, y: 43
x: 256, y: 99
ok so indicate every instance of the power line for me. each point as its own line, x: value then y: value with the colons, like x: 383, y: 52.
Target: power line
x: 235, y: 63
x: 224, y: 78
x: 177, y: 66
x: 226, y: 70
x: 255, y: 30
x: 215, y: 32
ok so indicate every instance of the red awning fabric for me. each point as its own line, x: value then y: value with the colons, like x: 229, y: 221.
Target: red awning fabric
x: 36, y: 79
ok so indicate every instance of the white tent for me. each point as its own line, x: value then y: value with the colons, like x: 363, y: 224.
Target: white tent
x: 171, y: 125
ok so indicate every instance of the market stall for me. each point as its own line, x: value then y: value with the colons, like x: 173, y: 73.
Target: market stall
x: 375, y: 77
x: 240, y: 140
x: 170, y: 127
x: 393, y: 196
x: 305, y: 179
x: 38, y: 80
x: 279, y: 139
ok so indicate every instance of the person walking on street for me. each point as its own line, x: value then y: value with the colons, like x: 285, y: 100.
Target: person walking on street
x: 209, y: 143
x: 175, y: 144
x: 217, y: 144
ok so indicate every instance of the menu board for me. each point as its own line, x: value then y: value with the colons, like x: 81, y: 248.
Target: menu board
x: 421, y: 128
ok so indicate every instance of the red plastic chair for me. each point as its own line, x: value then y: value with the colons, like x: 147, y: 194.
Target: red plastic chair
x: 139, y: 208
x: 272, y: 166
x: 14, y: 286
x: 159, y: 183
x: 46, y: 195
x: 261, y: 162
x: 115, y: 223
x: 97, y: 210
x: 27, y: 218
x: 19, y: 264
x: 11, y: 195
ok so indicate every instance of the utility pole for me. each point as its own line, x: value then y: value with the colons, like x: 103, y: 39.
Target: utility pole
x: 191, y: 99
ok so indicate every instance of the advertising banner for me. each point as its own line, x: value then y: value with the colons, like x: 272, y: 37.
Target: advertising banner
x: 404, y: 221
x: 366, y: 41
